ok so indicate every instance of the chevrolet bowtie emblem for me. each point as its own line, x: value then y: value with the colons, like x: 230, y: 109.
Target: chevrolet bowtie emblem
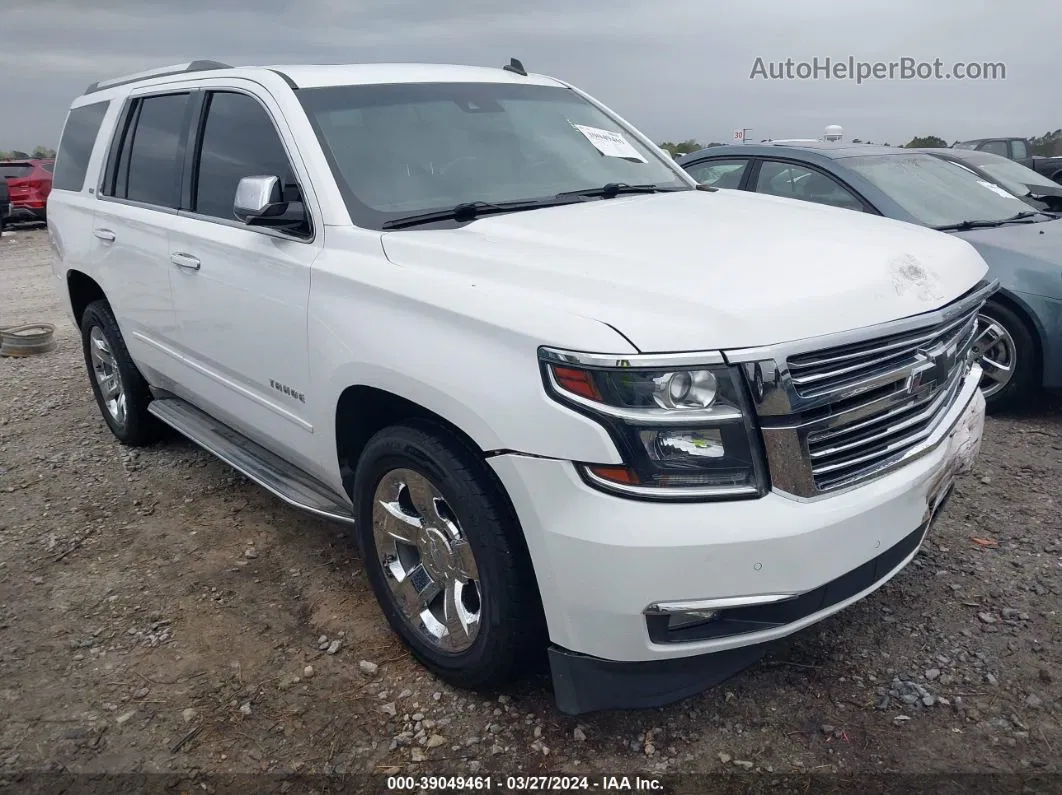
x: 935, y: 366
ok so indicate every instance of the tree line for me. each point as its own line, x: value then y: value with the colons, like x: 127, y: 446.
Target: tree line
x: 1048, y: 145
x: 38, y: 153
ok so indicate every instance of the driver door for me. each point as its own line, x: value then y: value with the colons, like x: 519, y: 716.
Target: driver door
x: 241, y: 292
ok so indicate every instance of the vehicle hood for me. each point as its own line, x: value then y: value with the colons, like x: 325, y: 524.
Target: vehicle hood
x: 700, y: 270
x: 1024, y: 257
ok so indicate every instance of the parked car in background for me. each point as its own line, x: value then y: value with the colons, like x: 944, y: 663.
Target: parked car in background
x: 461, y: 309
x: 5, y: 204
x: 30, y: 183
x: 1018, y: 150
x: 1036, y: 189
x: 1020, y: 337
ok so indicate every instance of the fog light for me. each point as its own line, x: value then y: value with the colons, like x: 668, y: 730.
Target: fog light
x: 676, y: 446
x: 683, y: 620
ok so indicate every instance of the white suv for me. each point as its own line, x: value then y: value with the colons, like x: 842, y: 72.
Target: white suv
x: 569, y: 400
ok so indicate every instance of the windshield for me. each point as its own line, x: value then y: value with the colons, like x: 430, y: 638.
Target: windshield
x: 1014, y: 186
x: 936, y: 192
x: 404, y: 149
x: 1003, y: 169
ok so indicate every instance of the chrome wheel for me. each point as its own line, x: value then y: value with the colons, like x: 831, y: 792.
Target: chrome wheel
x: 427, y: 561
x: 105, y: 369
x: 997, y: 354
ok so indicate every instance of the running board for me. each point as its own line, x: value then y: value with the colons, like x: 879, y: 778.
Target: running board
x: 268, y: 470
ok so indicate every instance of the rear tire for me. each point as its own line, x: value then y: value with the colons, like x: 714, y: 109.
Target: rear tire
x: 445, y: 556
x: 1004, y: 340
x: 121, y: 392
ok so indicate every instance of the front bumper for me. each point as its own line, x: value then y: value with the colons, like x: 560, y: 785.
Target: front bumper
x: 589, y: 684
x: 602, y: 561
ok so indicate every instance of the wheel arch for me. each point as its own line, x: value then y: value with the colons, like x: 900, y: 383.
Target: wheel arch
x: 1024, y: 313
x: 82, y: 290
x: 363, y: 410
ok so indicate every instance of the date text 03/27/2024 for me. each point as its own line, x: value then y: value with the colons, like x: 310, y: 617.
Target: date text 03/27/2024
x: 523, y: 783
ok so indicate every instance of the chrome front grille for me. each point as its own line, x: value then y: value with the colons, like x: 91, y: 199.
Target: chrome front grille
x: 830, y: 371
x: 848, y: 453
x: 836, y: 413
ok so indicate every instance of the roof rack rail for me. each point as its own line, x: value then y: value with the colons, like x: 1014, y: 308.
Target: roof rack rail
x: 162, y: 71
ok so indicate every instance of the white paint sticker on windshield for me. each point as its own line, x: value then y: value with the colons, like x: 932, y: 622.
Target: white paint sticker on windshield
x: 998, y: 190
x: 608, y: 143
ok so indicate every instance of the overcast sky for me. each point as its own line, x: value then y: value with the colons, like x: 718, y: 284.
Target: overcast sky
x: 677, y: 69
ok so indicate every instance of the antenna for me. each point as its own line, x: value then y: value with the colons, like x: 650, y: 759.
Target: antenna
x: 515, y: 67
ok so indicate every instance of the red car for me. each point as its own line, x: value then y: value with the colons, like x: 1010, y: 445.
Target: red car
x: 29, y: 182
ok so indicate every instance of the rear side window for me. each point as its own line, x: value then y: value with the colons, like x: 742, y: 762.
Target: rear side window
x: 150, y: 162
x: 75, y: 146
x: 239, y: 140
x: 996, y: 148
x: 1021, y: 150
x: 49, y: 167
x: 719, y: 173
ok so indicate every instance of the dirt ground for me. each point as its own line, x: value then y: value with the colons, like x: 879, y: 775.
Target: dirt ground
x: 161, y: 614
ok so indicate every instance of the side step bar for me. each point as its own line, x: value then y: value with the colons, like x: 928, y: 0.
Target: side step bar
x: 269, y: 471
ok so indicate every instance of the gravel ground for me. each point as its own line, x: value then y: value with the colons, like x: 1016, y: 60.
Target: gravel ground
x: 159, y: 613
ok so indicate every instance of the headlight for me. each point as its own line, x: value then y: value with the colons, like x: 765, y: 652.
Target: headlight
x: 684, y: 430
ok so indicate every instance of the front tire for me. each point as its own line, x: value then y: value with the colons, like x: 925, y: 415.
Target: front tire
x: 1006, y: 349
x: 444, y: 554
x: 121, y: 391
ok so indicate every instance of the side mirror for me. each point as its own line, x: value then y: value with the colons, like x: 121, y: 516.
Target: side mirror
x: 259, y: 200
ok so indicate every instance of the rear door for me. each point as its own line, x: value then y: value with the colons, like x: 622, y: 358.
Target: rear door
x: 241, y: 292
x: 138, y: 203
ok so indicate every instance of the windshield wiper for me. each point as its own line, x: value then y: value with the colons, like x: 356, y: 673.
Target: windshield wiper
x: 962, y: 226
x: 1022, y: 216
x: 470, y: 211
x: 613, y: 189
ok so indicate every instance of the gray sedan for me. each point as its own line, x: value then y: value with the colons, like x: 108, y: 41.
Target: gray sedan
x: 1019, y: 338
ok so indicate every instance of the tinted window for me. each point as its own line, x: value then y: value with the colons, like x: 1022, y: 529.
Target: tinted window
x: 719, y: 173
x: 49, y: 167
x: 239, y: 140
x: 995, y: 147
x: 154, y: 163
x: 15, y: 170
x: 1021, y: 151
x: 75, y: 146
x: 798, y: 182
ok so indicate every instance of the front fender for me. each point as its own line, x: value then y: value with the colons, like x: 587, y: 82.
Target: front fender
x: 461, y: 352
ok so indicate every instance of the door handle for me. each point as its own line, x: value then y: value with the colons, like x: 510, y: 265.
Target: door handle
x: 105, y: 234
x: 187, y: 261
